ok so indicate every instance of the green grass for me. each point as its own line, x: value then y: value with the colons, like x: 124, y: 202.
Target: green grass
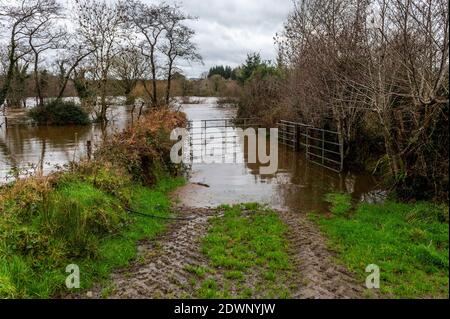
x: 118, y: 251
x: 199, y: 271
x: 248, y: 241
x: 409, y: 242
x: 78, y: 221
x: 340, y: 203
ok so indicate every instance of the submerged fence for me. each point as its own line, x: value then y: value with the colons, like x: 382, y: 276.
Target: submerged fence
x: 322, y: 147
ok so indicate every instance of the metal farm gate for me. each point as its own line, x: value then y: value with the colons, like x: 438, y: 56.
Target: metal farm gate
x: 197, y: 135
x: 322, y: 147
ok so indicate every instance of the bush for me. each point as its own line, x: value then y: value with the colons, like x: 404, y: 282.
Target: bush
x: 144, y: 149
x: 76, y: 216
x: 59, y: 112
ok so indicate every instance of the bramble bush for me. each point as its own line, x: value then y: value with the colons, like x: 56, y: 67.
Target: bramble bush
x: 144, y: 149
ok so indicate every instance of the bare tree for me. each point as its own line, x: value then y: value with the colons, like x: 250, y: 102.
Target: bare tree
x: 149, y: 21
x: 19, y: 17
x: 43, y: 34
x: 70, y: 57
x: 379, y: 65
x: 178, y: 44
x: 100, y: 26
x: 407, y: 84
x: 129, y: 67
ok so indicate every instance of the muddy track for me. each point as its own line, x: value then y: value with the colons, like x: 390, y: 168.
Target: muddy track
x: 322, y: 277
x: 160, y: 270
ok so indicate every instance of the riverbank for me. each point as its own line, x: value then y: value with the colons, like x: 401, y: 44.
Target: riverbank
x: 90, y: 214
x: 408, y: 242
x: 47, y: 224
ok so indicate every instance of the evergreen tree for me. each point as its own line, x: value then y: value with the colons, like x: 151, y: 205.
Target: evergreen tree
x: 254, y: 64
x: 224, y: 71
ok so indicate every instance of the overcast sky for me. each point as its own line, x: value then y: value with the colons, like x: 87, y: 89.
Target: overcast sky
x: 227, y: 30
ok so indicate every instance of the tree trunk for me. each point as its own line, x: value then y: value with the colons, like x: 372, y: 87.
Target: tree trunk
x: 152, y: 61
x: 9, y: 75
x: 37, y: 82
x: 395, y: 161
x: 169, y: 83
x: 67, y: 77
x: 103, y: 103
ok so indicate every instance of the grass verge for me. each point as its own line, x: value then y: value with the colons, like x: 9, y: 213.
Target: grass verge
x: 79, y: 219
x: 81, y: 215
x: 409, y: 242
x: 247, y: 255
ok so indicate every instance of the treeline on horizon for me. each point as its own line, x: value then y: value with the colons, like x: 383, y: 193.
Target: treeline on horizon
x: 181, y: 86
x: 220, y: 81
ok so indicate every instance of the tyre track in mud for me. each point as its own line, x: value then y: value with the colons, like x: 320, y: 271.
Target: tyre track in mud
x: 322, y: 277
x: 161, y: 272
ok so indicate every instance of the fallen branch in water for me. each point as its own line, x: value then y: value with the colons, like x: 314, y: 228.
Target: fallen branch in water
x: 201, y: 184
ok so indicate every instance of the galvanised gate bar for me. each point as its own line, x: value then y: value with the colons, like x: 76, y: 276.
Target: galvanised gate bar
x: 322, y: 147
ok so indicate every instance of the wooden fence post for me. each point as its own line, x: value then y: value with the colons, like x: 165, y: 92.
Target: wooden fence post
x: 307, y: 142
x: 89, y: 149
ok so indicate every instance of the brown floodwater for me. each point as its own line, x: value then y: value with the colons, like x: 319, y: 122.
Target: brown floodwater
x: 296, y: 185
x: 26, y: 148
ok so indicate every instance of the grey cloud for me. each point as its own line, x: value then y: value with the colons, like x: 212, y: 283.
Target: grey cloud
x: 227, y: 30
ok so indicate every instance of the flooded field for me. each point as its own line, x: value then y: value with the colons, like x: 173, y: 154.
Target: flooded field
x: 28, y: 147
x: 297, y: 185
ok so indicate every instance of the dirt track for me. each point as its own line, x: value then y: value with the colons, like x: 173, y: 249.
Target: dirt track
x: 160, y: 270
x: 323, y: 278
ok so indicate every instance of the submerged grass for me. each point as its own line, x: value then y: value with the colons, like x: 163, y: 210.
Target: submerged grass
x: 247, y: 253
x: 409, y: 242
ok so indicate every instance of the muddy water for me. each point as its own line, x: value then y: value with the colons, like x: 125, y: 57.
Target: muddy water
x: 27, y: 148
x: 297, y: 185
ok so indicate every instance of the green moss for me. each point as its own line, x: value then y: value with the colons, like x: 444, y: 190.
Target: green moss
x: 409, y: 242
